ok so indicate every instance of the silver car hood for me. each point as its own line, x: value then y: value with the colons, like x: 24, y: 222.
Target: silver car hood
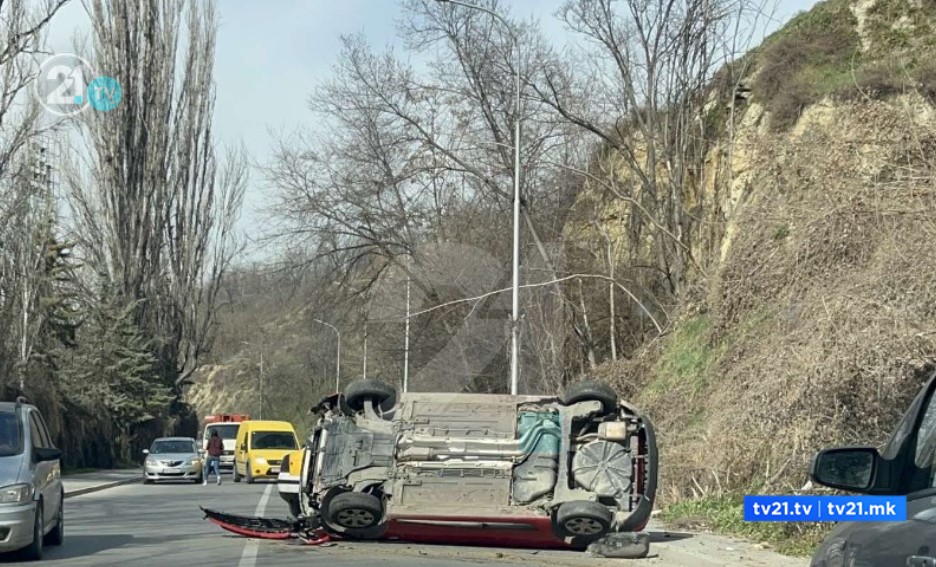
x: 171, y: 456
x: 11, y: 469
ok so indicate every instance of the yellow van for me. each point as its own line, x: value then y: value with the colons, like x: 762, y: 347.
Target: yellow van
x: 261, y: 446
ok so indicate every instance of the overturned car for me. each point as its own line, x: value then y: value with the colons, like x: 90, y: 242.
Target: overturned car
x: 481, y: 469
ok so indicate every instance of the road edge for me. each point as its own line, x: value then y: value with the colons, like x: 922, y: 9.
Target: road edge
x: 100, y: 487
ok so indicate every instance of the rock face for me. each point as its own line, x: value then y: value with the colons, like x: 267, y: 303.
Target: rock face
x: 819, y: 242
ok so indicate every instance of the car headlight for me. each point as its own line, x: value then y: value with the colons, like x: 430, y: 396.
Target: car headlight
x: 195, y: 462
x: 261, y: 461
x: 16, y: 494
x: 150, y: 462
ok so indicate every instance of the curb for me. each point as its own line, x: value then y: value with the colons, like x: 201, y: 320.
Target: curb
x: 99, y: 487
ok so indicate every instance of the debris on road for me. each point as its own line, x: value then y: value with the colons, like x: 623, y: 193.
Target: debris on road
x: 627, y: 545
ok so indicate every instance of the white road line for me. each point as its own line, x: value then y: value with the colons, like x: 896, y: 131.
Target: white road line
x: 251, y: 550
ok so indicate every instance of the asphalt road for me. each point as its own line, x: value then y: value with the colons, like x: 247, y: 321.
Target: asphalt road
x: 154, y: 525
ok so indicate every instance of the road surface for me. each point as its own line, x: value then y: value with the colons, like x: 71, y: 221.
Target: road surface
x: 154, y: 525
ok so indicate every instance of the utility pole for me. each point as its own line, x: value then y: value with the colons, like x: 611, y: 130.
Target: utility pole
x: 406, y: 339
x: 365, y: 345
x: 515, y: 292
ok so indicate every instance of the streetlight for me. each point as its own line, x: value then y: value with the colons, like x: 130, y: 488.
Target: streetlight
x: 261, y: 373
x: 338, y: 357
x: 515, y: 314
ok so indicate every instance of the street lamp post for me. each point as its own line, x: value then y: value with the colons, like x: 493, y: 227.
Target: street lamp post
x: 338, y: 356
x: 515, y: 312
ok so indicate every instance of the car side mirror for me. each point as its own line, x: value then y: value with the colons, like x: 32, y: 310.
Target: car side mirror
x: 243, y: 446
x: 146, y: 451
x: 846, y: 468
x: 44, y: 454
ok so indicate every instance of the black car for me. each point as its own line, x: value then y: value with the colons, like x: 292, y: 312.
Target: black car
x: 906, y: 466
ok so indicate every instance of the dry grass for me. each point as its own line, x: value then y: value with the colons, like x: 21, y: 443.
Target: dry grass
x: 819, y: 325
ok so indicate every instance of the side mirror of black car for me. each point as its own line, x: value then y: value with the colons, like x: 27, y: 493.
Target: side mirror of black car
x: 846, y: 468
x: 47, y: 454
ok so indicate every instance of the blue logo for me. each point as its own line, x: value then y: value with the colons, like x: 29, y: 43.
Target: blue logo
x: 825, y: 508
x: 104, y: 93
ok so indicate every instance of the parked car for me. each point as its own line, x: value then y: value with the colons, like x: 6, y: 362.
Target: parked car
x: 226, y: 425
x: 32, y: 512
x: 261, y: 446
x: 172, y: 458
x: 905, y: 466
x: 481, y: 469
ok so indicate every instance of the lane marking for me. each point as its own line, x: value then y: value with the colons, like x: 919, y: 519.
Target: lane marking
x: 252, y: 549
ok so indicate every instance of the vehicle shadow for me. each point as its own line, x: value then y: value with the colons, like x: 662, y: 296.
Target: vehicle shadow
x: 664, y: 536
x: 76, y: 546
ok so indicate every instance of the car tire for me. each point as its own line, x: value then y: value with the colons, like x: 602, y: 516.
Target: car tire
x: 33, y: 552
x: 57, y: 536
x: 380, y: 393
x: 249, y: 478
x: 354, y: 511
x: 235, y: 475
x: 583, y: 521
x: 590, y: 391
x: 147, y: 481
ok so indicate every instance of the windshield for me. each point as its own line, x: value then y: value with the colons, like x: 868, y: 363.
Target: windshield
x: 164, y: 447
x: 11, y: 434
x: 226, y: 431
x: 273, y: 440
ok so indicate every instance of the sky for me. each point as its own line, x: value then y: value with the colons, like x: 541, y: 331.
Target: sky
x: 271, y: 54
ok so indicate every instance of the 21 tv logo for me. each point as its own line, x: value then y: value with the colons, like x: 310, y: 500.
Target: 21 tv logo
x: 63, y: 88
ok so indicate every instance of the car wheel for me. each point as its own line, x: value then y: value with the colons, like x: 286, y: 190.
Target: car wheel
x: 34, y: 551
x: 584, y: 521
x: 147, y: 481
x: 236, y: 476
x: 249, y: 477
x: 354, y: 511
x: 591, y: 392
x: 57, y: 535
x: 380, y: 393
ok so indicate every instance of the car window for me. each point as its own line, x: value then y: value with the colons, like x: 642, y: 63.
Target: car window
x: 273, y: 440
x: 35, y: 432
x: 903, y: 430
x: 225, y: 431
x: 166, y: 447
x: 44, y: 430
x: 11, y: 434
x: 925, y: 457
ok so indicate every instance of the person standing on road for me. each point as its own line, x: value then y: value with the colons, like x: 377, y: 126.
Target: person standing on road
x: 215, y: 448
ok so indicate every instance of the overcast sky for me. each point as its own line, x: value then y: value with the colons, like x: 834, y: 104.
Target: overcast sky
x: 271, y: 54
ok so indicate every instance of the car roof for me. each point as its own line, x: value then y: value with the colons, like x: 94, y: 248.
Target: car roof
x: 10, y: 406
x: 192, y: 439
x: 269, y: 425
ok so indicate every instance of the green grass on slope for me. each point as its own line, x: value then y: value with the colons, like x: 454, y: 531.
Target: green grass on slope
x: 726, y: 515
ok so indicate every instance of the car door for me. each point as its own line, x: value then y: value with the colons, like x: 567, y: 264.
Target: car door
x: 56, y: 488
x: 43, y: 471
x: 907, y: 466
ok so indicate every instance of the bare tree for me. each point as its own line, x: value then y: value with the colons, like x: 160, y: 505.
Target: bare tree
x: 154, y: 209
x: 26, y: 210
x: 643, y: 96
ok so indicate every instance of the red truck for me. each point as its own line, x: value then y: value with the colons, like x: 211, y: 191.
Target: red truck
x: 226, y: 425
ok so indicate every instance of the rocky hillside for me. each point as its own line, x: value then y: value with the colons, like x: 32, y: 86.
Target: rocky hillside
x: 814, y: 322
